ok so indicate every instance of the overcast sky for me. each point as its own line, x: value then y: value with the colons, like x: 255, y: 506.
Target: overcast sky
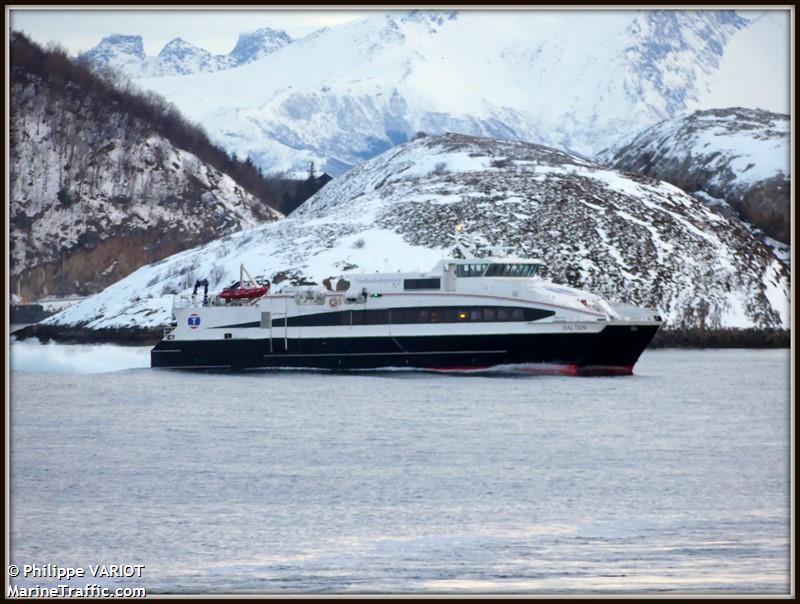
x: 215, y: 30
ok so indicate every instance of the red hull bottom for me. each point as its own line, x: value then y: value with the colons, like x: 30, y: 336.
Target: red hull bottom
x: 544, y: 369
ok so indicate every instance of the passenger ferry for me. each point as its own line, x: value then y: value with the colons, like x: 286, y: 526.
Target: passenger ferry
x: 463, y: 315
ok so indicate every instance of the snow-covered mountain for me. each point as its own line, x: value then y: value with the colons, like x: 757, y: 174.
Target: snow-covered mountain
x: 574, y: 80
x: 631, y: 238
x: 120, y: 52
x: 257, y: 45
x: 95, y: 190
x: 732, y: 158
x: 179, y: 57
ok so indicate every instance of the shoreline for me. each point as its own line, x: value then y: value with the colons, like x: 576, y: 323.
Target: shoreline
x: 670, y: 338
x: 122, y: 336
x: 721, y: 338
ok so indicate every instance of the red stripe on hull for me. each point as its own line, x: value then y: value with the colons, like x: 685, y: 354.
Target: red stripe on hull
x: 545, y: 369
x: 592, y: 370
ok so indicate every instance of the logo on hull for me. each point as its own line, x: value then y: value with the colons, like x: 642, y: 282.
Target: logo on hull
x: 193, y: 321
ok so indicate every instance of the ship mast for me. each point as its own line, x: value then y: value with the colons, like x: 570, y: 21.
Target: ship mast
x: 242, y: 273
x: 459, y: 244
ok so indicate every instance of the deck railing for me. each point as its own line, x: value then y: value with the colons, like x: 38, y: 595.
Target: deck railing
x: 187, y: 301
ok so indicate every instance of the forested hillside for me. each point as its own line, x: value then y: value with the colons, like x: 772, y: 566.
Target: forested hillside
x: 105, y: 178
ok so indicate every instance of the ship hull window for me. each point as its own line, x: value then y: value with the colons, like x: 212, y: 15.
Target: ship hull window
x: 433, y: 283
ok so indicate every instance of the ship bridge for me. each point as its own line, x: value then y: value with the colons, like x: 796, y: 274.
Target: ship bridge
x: 524, y: 268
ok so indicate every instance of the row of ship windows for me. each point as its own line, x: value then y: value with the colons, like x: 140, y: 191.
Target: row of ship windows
x: 397, y: 316
x: 496, y: 270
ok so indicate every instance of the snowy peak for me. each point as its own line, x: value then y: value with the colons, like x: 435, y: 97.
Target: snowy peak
x: 258, y: 44
x: 122, y: 44
x: 734, y: 158
x: 179, y: 57
x: 179, y: 46
x: 629, y: 238
x: 432, y: 19
x: 125, y: 53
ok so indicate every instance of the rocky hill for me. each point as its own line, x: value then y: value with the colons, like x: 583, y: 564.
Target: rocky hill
x: 629, y: 237
x: 179, y: 57
x: 97, y: 187
x: 736, y: 159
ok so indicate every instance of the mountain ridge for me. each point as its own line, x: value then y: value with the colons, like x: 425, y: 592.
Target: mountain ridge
x: 574, y: 81
x: 180, y: 57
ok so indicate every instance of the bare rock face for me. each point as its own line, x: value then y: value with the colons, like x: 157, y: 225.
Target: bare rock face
x: 728, y: 157
x: 628, y: 237
x: 96, y: 193
x: 767, y: 206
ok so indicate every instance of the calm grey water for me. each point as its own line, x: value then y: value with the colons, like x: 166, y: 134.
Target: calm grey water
x: 674, y: 479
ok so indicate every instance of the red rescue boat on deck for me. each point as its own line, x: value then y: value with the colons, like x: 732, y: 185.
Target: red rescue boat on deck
x: 243, y: 293
x: 245, y: 290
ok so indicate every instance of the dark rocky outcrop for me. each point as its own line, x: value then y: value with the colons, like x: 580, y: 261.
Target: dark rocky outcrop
x: 123, y: 336
x: 732, y: 157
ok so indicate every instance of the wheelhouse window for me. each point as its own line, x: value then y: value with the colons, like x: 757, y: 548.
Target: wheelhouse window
x: 434, y: 283
x: 471, y: 270
x: 512, y: 270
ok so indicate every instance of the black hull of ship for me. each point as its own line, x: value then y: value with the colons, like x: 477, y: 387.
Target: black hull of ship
x: 613, y: 351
